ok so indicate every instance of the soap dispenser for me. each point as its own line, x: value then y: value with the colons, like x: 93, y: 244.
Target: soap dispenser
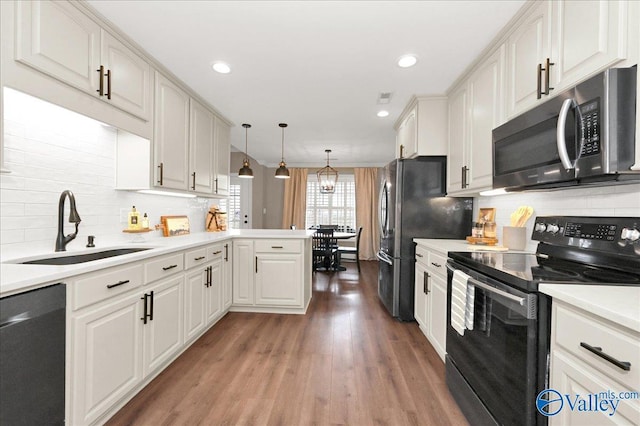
x: 145, y: 222
x: 134, y: 219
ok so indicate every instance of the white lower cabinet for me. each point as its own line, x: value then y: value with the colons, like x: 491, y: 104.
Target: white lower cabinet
x: 227, y: 282
x: 430, y: 304
x: 107, y: 357
x: 194, y: 296
x: 591, y: 355
x: 163, y: 334
x: 271, y: 275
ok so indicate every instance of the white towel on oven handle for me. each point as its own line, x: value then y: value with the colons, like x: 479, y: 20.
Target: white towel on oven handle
x: 468, y: 311
x: 459, y: 295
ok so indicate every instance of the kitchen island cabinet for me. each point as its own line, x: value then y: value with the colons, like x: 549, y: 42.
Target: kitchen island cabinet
x: 271, y: 275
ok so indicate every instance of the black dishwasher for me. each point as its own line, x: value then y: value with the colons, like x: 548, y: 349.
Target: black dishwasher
x: 32, y: 347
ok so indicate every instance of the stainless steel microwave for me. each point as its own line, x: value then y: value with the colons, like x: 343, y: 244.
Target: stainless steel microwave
x: 585, y: 135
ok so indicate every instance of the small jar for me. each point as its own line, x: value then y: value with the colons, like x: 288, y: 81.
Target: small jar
x: 477, y: 230
x: 490, y: 229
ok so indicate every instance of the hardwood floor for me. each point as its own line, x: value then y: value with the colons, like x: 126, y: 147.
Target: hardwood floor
x: 345, y: 362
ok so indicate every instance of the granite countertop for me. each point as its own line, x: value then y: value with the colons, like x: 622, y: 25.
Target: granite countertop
x: 620, y: 304
x: 17, y: 278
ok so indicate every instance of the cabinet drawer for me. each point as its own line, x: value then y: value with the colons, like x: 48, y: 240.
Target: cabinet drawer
x: 163, y: 267
x: 98, y: 286
x: 195, y: 257
x: 215, y: 251
x: 278, y: 246
x: 437, y: 264
x: 422, y: 255
x: 574, y: 327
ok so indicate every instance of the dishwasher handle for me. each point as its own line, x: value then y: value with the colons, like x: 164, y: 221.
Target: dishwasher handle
x: 16, y: 319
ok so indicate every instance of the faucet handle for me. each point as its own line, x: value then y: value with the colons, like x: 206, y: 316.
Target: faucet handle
x: 90, y: 239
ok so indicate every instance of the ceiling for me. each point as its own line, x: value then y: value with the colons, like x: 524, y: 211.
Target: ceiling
x: 317, y: 65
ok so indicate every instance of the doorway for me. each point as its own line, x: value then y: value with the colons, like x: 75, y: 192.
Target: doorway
x: 239, y: 203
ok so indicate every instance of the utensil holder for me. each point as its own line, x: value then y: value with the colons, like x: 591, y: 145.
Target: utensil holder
x: 514, y: 237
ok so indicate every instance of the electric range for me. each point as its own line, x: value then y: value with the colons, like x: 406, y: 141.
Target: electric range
x: 496, y: 367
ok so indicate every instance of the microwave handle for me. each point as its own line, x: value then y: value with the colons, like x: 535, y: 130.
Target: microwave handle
x: 560, y: 139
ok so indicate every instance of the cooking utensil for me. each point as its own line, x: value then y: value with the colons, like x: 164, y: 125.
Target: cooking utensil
x: 528, y: 211
x: 519, y: 217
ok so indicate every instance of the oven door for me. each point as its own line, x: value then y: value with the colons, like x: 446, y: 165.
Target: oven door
x: 496, y: 360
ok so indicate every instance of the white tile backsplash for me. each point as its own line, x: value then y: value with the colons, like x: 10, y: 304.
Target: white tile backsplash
x: 49, y: 149
x: 618, y: 200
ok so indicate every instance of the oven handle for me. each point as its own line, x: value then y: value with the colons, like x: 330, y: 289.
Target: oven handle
x: 560, y: 139
x: 520, y: 300
x: 384, y: 258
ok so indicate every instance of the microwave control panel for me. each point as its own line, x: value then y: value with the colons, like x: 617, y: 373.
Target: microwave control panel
x: 590, y: 127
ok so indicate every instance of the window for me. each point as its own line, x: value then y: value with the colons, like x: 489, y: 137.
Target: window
x: 233, y: 207
x: 338, y: 208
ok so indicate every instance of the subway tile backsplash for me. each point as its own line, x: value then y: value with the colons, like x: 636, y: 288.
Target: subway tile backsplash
x: 617, y: 200
x: 49, y: 149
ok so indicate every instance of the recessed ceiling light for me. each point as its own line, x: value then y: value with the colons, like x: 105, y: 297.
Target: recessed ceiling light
x: 407, y: 61
x: 383, y: 113
x: 221, y: 67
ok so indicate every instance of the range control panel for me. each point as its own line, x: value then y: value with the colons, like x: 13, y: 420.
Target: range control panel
x: 611, y: 234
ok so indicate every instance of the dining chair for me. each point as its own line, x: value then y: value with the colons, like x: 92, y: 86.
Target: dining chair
x: 324, y: 249
x: 352, y: 250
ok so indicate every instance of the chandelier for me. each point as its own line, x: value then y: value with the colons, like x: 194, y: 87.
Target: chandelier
x: 327, y: 177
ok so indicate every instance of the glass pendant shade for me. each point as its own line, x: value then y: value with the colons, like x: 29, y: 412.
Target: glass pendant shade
x: 327, y: 177
x: 245, y: 171
x: 282, y: 172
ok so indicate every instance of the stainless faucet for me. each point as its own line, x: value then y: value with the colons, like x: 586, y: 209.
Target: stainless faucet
x: 74, y: 217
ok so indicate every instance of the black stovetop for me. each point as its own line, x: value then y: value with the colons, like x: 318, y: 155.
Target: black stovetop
x: 526, y: 271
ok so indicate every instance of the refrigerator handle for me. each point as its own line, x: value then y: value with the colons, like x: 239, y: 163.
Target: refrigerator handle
x: 384, y: 258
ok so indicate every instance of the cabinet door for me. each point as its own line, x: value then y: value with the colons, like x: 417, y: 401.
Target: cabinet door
x: 130, y: 85
x: 589, y: 36
x: 106, y: 358
x: 171, y: 135
x: 222, y: 154
x: 201, y: 146
x: 194, y: 302
x: 243, y: 272
x: 457, y: 137
x: 420, y: 296
x: 278, y: 279
x: 528, y: 46
x: 485, y: 111
x: 437, y: 314
x: 163, y: 330
x: 227, y: 288
x: 408, y: 135
x: 214, y: 292
x: 59, y: 40
x: 572, y: 377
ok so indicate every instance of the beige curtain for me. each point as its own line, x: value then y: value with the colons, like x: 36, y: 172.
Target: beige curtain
x: 367, y: 211
x: 295, y: 199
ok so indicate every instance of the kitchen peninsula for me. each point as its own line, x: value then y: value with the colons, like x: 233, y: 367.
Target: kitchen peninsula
x: 151, y: 305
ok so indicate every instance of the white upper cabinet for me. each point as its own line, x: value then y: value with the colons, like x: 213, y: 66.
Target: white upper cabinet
x: 588, y: 36
x: 558, y: 44
x: 171, y: 134
x: 422, y: 128
x: 58, y: 39
x: 201, y: 149
x: 527, y: 49
x: 474, y: 110
x: 223, y: 156
x: 128, y: 81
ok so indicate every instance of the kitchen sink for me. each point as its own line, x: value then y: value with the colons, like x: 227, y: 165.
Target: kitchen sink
x: 82, y: 258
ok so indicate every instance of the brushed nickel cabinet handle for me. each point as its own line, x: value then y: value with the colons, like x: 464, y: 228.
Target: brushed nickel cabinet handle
x: 193, y: 186
x: 547, y: 71
x: 161, y: 171
x: 109, y: 84
x: 539, y: 85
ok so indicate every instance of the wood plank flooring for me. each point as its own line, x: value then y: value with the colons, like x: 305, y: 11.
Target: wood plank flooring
x: 346, y: 362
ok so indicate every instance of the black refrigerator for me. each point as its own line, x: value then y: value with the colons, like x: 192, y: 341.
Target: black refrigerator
x: 413, y: 205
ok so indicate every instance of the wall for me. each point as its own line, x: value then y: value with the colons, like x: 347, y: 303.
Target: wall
x: 618, y: 200
x: 49, y: 149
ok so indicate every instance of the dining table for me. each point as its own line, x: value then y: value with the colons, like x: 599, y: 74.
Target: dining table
x: 335, y: 265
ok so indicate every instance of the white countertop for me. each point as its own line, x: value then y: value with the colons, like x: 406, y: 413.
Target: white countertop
x: 620, y: 304
x: 446, y: 246
x: 16, y: 278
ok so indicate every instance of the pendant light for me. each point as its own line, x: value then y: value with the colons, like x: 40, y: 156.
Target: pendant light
x: 282, y: 172
x: 245, y: 171
x: 327, y: 177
